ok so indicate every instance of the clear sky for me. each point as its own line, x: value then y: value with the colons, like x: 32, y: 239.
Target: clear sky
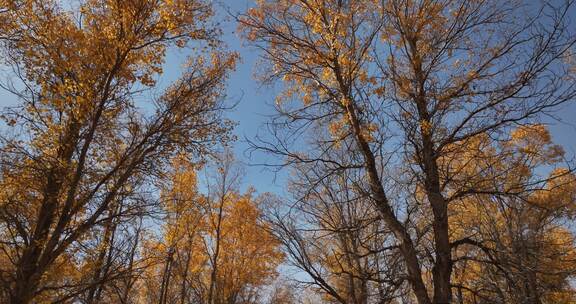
x: 254, y: 102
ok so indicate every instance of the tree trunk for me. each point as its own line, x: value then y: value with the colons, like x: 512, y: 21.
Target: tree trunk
x: 28, y: 270
x: 442, y: 269
x: 36, y: 255
x: 102, y: 266
x: 406, y: 245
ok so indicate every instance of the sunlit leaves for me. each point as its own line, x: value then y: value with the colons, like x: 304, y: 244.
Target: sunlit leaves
x: 81, y: 132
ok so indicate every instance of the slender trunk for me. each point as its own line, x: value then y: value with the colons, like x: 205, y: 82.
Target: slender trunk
x: 183, y: 289
x: 214, y: 273
x: 352, y: 296
x: 98, y: 267
x: 107, y: 264
x: 529, y: 275
x: 102, y: 266
x: 166, y: 277
x: 130, y: 280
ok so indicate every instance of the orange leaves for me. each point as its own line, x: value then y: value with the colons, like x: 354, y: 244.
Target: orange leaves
x: 314, y: 46
x: 338, y: 129
x: 535, y: 140
x: 245, y: 237
x: 559, y: 192
x: 224, y: 235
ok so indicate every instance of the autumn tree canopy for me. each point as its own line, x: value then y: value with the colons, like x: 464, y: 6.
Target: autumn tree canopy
x: 384, y: 92
x: 411, y: 138
x: 81, y: 145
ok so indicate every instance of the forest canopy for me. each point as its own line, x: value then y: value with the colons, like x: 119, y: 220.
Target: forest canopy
x: 414, y: 137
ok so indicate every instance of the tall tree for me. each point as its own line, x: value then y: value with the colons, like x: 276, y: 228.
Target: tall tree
x: 398, y: 83
x: 334, y: 236
x: 215, y: 248
x: 514, y: 248
x: 82, y: 139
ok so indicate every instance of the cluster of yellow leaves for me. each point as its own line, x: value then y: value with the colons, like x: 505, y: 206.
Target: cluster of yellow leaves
x: 508, y: 167
x: 320, y: 31
x: 70, y: 59
x: 559, y: 193
x: 425, y: 127
x: 531, y: 140
x: 248, y: 254
x: 478, y: 163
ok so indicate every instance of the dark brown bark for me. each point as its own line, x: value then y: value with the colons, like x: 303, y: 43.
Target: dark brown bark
x: 104, y: 260
x: 165, y: 286
x: 406, y: 245
x: 442, y: 269
x: 32, y: 263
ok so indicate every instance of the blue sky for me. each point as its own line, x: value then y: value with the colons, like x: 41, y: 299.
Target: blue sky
x: 254, y: 103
